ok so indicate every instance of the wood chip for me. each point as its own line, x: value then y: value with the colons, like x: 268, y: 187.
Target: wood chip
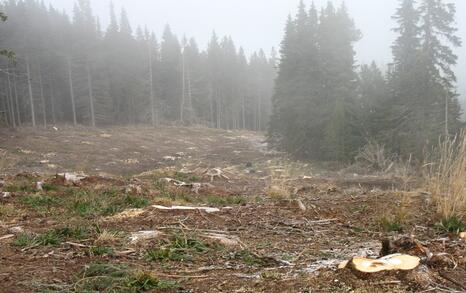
x: 8, y: 236
x: 185, y: 208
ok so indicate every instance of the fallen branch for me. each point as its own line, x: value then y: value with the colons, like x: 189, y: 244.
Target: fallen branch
x: 77, y: 245
x: 322, y: 222
x: 216, y: 172
x: 8, y: 236
x: 186, y: 208
x: 182, y: 276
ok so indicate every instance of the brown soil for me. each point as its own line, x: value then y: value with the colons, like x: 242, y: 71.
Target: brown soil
x: 282, y: 248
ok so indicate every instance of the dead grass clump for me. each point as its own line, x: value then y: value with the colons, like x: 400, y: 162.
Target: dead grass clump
x: 108, y: 237
x: 278, y: 187
x: 8, y: 211
x: 446, y: 178
x: 396, y: 220
x: 7, y: 159
x: 375, y: 156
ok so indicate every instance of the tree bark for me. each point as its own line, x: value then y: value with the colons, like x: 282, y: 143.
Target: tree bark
x: 219, y: 116
x: 183, y: 95
x: 10, y: 100
x: 31, y: 98
x: 190, y: 98
x: 70, y: 80
x: 211, y: 104
x: 152, y: 94
x: 91, y: 94
x: 5, y: 108
x: 243, y: 110
x: 42, y: 98
x: 52, y: 104
x: 18, y: 115
x: 259, y: 110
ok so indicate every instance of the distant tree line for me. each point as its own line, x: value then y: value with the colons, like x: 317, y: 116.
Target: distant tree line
x: 326, y: 107
x: 73, y: 71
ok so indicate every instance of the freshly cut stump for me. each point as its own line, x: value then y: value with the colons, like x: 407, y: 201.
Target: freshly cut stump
x: 396, y: 262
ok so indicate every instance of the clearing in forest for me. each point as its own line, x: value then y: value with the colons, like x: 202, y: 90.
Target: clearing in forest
x: 201, y: 210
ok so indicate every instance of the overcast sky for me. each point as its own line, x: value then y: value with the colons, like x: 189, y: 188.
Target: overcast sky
x: 255, y: 24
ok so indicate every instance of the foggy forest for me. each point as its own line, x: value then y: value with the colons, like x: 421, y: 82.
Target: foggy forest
x: 135, y: 157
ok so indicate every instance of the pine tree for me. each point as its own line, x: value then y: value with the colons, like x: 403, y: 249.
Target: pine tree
x: 403, y: 119
x: 170, y: 75
x: 437, y: 60
x: 423, y: 102
x: 71, y: 71
x: 373, y: 93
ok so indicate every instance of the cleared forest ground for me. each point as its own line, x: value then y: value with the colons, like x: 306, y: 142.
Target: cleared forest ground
x: 274, y: 226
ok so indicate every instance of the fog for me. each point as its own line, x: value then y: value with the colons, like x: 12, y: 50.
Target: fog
x: 259, y: 24
x: 248, y: 146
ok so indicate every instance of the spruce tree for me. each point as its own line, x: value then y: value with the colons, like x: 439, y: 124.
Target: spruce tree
x: 437, y: 62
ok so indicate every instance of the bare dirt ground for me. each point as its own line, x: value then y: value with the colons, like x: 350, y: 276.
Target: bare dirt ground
x: 276, y: 226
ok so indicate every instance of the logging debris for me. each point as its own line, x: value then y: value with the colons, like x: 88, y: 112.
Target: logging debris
x: 391, y: 262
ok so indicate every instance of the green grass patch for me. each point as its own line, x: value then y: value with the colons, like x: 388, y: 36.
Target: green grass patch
x: 451, y: 225
x: 249, y: 258
x: 41, y: 203
x: 24, y: 240
x: 185, y: 196
x: 100, y: 251
x: 391, y: 225
x: 100, y: 277
x: 49, y: 187
x: 180, y: 248
x: 109, y: 202
x: 226, y: 200
x: 188, y: 178
x: 20, y: 187
x: 52, y: 237
x: 78, y: 233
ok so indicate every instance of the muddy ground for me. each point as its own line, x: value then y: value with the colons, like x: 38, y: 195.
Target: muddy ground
x: 276, y: 226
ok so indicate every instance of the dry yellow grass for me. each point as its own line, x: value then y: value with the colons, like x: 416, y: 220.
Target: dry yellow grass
x: 107, y: 237
x: 446, y: 179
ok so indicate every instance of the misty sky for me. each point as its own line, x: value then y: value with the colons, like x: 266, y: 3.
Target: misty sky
x: 255, y: 24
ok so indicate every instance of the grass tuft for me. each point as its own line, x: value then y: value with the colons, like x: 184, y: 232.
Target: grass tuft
x: 100, y: 277
x: 52, y: 237
x: 109, y: 202
x: 180, y: 248
x: 391, y: 225
x: 451, y: 225
x: 100, y: 251
x: 40, y: 203
x: 249, y: 258
x: 445, y: 178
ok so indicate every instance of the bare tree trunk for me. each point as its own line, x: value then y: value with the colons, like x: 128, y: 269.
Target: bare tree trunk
x: 7, y: 105
x: 259, y: 110
x: 18, y: 115
x: 132, y: 115
x: 243, y: 110
x: 31, y: 98
x: 5, y: 109
x: 70, y: 79
x: 211, y: 102
x: 190, y: 98
x: 91, y: 94
x: 42, y: 98
x: 152, y: 94
x: 10, y: 100
x: 52, y: 104
x: 183, y: 95
x: 219, y: 116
